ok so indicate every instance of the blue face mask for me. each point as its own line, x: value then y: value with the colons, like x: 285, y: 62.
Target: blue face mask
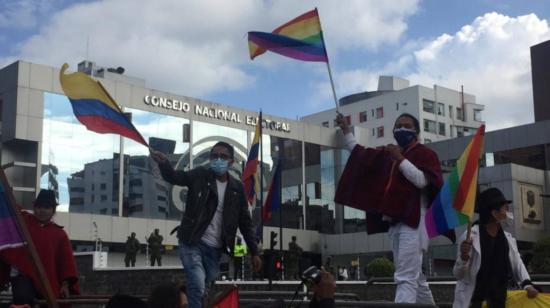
x: 219, y: 166
x: 404, y: 136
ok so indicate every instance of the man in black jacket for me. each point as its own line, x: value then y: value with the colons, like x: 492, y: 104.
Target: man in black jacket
x: 216, y: 205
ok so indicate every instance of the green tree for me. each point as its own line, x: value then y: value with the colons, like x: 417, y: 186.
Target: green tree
x: 540, y: 264
x: 380, y: 267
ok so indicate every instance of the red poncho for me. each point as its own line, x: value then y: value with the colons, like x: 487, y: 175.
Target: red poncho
x: 372, y: 182
x: 55, y: 252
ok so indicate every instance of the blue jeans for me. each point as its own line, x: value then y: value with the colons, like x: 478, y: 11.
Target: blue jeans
x: 201, y: 267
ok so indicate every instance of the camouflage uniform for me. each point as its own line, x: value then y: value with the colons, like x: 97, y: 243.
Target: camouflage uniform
x: 155, y: 246
x: 293, y: 260
x: 132, y: 248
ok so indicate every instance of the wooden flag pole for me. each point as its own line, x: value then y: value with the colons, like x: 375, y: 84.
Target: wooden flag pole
x: 31, y: 248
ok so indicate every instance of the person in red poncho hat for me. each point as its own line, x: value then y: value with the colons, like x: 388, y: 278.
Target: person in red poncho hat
x: 53, y: 248
x: 394, y: 185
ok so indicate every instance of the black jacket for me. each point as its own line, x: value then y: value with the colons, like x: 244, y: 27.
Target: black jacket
x: 201, y: 203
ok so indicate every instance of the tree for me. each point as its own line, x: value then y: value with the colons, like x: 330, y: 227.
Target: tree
x: 380, y: 267
x: 540, y: 263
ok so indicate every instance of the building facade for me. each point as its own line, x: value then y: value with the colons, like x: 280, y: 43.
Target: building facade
x: 108, y: 186
x: 442, y: 113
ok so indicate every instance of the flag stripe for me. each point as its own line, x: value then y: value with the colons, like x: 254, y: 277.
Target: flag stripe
x: 250, y: 175
x: 93, y: 108
x: 274, y: 41
x: 103, y: 126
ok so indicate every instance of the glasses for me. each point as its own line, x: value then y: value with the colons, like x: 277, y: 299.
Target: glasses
x: 214, y: 156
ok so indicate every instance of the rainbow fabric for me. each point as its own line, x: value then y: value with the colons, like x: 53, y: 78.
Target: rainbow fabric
x: 454, y: 204
x: 300, y: 38
x: 250, y: 178
x: 9, y: 233
x: 95, y: 108
x: 273, y: 199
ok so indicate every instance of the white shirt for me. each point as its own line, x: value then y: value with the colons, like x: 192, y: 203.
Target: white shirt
x: 213, y: 234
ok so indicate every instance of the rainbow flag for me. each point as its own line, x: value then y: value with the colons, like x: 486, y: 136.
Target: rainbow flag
x: 273, y: 199
x: 300, y: 38
x: 251, y: 180
x: 454, y: 204
x: 95, y: 108
x: 9, y: 232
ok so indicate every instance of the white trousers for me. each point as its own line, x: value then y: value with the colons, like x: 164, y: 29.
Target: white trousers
x: 409, y: 246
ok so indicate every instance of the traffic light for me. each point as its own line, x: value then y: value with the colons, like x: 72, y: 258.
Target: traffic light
x: 273, y: 240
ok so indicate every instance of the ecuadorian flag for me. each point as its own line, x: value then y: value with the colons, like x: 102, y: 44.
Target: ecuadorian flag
x: 94, y: 107
x: 250, y: 179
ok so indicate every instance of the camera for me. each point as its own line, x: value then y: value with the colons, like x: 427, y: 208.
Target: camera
x: 312, y: 274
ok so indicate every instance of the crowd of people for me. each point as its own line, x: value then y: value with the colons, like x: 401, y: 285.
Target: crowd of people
x: 394, y: 184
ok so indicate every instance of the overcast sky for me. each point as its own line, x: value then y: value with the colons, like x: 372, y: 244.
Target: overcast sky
x: 199, y: 48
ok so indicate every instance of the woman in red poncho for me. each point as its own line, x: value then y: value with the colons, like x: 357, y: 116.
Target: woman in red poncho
x: 53, y: 248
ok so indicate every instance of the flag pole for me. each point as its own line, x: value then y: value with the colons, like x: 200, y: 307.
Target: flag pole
x: 261, y: 179
x: 328, y: 65
x: 31, y: 248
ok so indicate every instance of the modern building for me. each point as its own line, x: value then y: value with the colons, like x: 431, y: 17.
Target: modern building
x: 443, y: 113
x: 103, y: 196
x: 43, y: 145
x: 540, y: 72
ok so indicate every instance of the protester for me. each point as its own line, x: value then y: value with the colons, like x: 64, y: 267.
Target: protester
x: 54, y: 250
x: 483, y: 273
x: 323, y: 292
x: 132, y: 248
x: 155, y: 247
x: 394, y: 184
x: 168, y: 296
x: 215, y: 202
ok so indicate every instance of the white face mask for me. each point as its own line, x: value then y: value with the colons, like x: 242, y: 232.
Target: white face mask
x: 508, y: 222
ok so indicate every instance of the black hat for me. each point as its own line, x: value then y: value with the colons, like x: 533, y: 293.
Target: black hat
x: 490, y: 199
x: 46, y: 198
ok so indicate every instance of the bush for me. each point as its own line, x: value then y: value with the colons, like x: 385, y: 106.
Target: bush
x: 380, y: 267
x: 540, y: 263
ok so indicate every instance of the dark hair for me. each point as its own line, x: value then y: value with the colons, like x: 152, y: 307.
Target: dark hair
x: 166, y: 296
x: 410, y: 116
x: 125, y: 301
x: 225, y: 145
x: 486, y: 213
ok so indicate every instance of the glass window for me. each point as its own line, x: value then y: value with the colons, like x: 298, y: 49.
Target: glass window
x: 71, y: 153
x: 429, y: 126
x: 477, y: 115
x: 428, y: 106
x: 380, y: 132
x: 442, y: 131
x: 379, y: 112
x: 321, y: 167
x: 440, y: 109
x: 362, y: 116
x: 451, y: 112
x: 396, y: 106
x: 287, y: 153
x: 426, y: 140
x: 325, y: 124
x: 142, y: 179
x: 459, y: 114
